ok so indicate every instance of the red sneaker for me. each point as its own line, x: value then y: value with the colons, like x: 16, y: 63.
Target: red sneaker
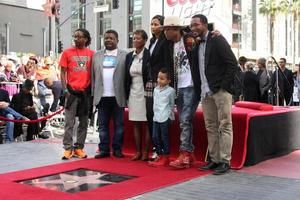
x: 160, y: 161
x: 184, y: 160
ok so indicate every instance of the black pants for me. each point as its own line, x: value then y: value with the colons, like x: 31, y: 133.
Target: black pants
x: 264, y: 98
x: 32, y: 129
x: 288, y: 99
x: 149, y: 114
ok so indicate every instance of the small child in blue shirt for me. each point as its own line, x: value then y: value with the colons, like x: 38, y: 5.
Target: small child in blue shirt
x: 163, y: 108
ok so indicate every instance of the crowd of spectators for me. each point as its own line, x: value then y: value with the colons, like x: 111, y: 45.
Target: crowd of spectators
x: 41, y: 74
x: 259, y: 81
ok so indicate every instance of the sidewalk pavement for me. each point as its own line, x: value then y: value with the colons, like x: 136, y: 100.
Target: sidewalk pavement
x: 249, y: 183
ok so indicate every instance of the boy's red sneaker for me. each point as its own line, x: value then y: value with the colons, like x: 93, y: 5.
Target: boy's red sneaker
x: 160, y: 161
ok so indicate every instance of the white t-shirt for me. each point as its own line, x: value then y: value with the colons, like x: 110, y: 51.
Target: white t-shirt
x: 109, y: 65
x: 183, y: 66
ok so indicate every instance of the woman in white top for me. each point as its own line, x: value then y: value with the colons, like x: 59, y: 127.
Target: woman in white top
x: 137, y: 63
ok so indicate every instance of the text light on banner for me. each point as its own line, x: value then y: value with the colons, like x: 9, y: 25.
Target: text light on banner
x: 185, y: 9
x: 102, y: 8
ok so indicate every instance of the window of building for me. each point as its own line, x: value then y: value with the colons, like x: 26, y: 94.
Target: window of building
x: 135, y: 22
x: 236, y: 24
x: 79, y: 17
x: 236, y: 40
x: 134, y: 18
x: 74, y: 26
x: 2, y: 43
x: 74, y: 11
x: 105, y: 24
x: 135, y: 6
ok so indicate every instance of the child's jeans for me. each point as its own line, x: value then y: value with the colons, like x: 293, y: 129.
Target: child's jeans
x: 161, y: 137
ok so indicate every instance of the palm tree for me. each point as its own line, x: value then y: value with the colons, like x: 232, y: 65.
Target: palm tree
x: 285, y: 7
x: 292, y: 7
x: 295, y: 8
x: 270, y: 8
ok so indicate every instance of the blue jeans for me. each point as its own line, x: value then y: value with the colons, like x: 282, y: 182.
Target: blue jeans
x: 41, y: 89
x: 9, y: 129
x: 10, y: 114
x: 108, y: 108
x: 186, y: 105
x: 161, y: 137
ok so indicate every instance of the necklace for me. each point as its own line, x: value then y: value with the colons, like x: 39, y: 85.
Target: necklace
x: 81, y: 63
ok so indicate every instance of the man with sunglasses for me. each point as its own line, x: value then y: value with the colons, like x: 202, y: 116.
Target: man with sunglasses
x: 75, y: 66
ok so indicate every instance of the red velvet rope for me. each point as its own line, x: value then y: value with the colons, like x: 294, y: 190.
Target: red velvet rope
x: 31, y: 121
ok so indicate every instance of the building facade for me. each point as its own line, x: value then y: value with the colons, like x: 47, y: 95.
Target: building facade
x: 238, y: 20
x: 22, y: 29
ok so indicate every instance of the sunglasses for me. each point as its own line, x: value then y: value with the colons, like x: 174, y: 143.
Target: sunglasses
x: 78, y: 36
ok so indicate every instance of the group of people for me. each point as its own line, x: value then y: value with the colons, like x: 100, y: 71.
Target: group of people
x: 264, y: 85
x: 18, y: 78
x: 180, y: 67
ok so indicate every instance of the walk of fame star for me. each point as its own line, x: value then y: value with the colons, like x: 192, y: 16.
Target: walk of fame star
x: 77, y: 180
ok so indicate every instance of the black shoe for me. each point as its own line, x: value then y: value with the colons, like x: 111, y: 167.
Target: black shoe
x: 209, y: 166
x: 222, y: 169
x: 43, y: 136
x: 118, y: 154
x: 102, y: 154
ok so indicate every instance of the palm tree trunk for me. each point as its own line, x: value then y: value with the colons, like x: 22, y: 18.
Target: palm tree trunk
x: 294, y: 37
x: 272, y: 36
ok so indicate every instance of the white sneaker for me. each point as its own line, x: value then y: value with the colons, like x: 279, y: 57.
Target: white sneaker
x: 154, y: 155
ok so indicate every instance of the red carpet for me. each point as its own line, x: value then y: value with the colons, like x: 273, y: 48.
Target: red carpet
x: 148, y: 179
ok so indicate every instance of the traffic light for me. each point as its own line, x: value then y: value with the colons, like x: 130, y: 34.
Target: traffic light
x: 55, y: 8
x: 60, y: 47
x: 115, y: 4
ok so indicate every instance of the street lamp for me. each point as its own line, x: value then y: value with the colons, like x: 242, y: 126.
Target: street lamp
x: 44, y: 42
x: 7, y: 27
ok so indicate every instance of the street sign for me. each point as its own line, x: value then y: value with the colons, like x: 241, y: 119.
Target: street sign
x: 102, y: 8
